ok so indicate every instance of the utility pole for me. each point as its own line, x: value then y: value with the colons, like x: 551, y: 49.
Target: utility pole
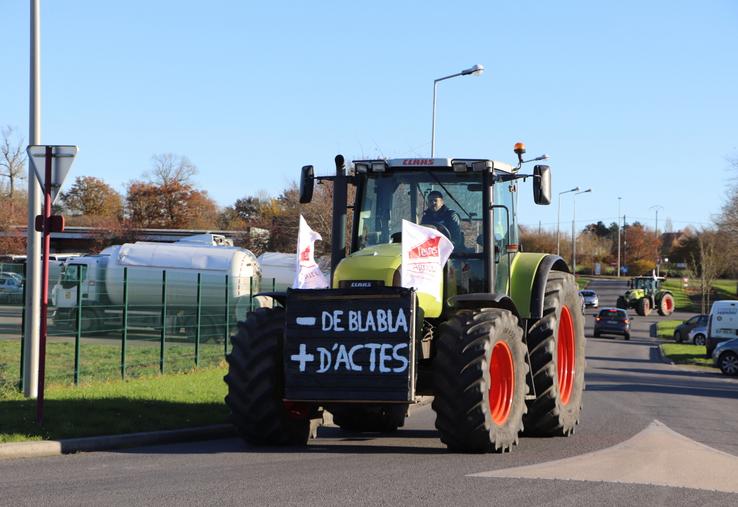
x: 618, y: 222
x: 33, y: 238
x: 573, y: 234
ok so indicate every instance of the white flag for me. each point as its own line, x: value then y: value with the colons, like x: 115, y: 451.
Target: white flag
x: 308, y: 275
x: 424, y: 253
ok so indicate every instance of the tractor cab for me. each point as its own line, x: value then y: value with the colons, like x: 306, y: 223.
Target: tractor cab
x: 443, y: 194
x: 647, y: 283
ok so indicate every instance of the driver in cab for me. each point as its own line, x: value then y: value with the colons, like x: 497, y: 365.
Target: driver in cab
x: 438, y: 214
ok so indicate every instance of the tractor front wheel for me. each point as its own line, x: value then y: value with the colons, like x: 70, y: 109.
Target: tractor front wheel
x: 556, y: 345
x: 254, y: 384
x: 644, y: 307
x: 666, y: 305
x: 621, y: 303
x: 479, y: 381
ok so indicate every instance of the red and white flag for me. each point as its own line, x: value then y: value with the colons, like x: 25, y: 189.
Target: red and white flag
x: 308, y: 275
x: 424, y: 253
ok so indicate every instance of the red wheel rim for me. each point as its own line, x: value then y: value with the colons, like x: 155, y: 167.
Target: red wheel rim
x: 669, y: 303
x: 566, y: 355
x: 502, y: 382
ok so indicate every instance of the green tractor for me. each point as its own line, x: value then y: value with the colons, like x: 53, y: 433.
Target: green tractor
x: 501, y: 351
x: 644, y: 294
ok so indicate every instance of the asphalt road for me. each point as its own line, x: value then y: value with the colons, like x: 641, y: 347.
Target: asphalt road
x: 635, y: 460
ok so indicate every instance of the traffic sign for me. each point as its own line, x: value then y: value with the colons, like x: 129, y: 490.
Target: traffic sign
x: 61, y: 161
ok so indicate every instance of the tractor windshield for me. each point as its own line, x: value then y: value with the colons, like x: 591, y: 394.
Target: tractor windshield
x: 389, y: 198
x: 647, y: 284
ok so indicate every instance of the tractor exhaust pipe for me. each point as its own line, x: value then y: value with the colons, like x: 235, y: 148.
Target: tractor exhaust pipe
x: 340, y: 196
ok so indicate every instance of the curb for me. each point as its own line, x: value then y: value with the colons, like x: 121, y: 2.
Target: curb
x: 43, y: 448
x: 108, y: 442
x: 663, y: 357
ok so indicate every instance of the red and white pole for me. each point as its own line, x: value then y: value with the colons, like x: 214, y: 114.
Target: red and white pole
x: 44, y: 285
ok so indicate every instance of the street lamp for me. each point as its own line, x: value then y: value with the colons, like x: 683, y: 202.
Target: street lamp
x: 618, y: 222
x: 472, y: 71
x: 573, y: 235
x: 558, y: 218
x: 657, y: 207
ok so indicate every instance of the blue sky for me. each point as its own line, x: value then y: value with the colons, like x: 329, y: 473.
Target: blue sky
x: 631, y: 98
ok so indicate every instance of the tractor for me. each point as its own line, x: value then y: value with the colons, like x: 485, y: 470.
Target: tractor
x: 644, y: 294
x: 501, y: 352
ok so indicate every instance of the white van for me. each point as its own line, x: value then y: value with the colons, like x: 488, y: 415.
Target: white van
x: 722, y: 324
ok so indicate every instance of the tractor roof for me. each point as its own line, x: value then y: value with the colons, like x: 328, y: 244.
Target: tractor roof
x: 424, y: 163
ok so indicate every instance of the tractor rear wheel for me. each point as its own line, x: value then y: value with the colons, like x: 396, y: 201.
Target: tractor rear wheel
x: 479, y: 381
x: 556, y: 345
x: 643, y: 308
x: 254, y: 384
x: 370, y: 418
x: 666, y: 305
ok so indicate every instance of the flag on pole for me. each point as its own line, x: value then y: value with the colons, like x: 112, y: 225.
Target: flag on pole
x: 424, y: 253
x: 308, y: 274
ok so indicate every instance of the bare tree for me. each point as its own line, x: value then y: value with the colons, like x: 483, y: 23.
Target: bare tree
x: 172, y: 169
x: 12, y: 159
x: 710, y: 263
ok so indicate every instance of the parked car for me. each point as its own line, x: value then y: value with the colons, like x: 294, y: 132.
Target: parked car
x: 681, y: 332
x: 612, y: 321
x: 698, y: 335
x: 725, y: 356
x: 11, y: 288
x: 590, y: 298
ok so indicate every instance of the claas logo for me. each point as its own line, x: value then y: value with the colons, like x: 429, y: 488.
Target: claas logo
x: 428, y: 248
x: 305, y: 254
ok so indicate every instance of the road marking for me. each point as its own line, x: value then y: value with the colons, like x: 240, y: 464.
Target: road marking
x: 657, y: 456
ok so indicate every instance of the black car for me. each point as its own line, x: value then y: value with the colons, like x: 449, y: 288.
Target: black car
x: 681, y: 332
x: 612, y: 321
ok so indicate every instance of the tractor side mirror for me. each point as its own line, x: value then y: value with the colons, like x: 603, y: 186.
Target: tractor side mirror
x: 542, y: 184
x: 307, y: 182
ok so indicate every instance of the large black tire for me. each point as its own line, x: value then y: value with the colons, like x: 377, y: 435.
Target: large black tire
x: 643, y: 308
x: 370, y: 418
x: 621, y: 303
x: 556, y: 345
x: 254, y: 383
x: 480, y: 395
x: 666, y: 304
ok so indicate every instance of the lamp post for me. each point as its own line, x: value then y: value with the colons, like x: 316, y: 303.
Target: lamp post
x: 618, y: 222
x: 472, y: 71
x: 657, y: 207
x: 573, y: 235
x: 558, y: 218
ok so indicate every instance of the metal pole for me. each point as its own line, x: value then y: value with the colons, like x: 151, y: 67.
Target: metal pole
x: 227, y: 317
x: 618, y: 223
x: 198, y: 318
x: 573, y: 235
x: 433, y: 122
x: 33, y: 248
x: 124, y: 337
x: 78, y: 325
x: 23, y: 334
x: 163, y: 319
x: 44, y: 286
x: 558, y: 219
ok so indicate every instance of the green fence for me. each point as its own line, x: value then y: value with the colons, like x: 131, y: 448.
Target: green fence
x: 145, y: 322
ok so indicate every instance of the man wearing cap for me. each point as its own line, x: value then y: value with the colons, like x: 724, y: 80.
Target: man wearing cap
x: 438, y: 213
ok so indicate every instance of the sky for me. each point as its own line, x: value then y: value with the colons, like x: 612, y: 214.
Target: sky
x: 632, y: 99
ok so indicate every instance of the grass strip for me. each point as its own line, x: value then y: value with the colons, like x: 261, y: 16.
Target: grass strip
x: 665, y: 328
x: 159, y: 402
x: 100, y: 361
x: 686, y: 354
